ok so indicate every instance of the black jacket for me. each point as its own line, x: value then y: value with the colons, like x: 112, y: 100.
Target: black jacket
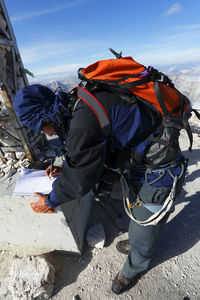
x: 88, y: 149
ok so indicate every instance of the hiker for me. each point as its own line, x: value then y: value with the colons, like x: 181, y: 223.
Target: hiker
x: 103, y: 128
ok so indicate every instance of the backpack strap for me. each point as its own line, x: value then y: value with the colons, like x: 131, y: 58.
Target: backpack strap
x: 183, y: 114
x: 97, y: 108
x: 187, y: 127
x: 196, y: 113
x: 160, y: 98
x: 184, y: 117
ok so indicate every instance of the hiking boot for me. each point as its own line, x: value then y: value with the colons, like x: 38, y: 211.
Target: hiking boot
x: 121, y: 283
x: 123, y: 246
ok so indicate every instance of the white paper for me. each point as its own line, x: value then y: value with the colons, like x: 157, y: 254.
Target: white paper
x: 32, y: 180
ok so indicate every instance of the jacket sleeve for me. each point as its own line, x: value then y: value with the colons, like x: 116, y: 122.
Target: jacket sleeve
x: 86, y: 148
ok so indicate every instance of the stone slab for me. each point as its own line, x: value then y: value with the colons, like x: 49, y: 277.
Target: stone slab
x: 25, y: 232
x: 7, y: 185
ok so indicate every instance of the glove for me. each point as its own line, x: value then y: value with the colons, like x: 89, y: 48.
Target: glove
x: 40, y: 205
x: 54, y: 172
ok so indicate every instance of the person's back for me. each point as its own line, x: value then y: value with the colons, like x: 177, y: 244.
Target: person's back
x: 130, y: 125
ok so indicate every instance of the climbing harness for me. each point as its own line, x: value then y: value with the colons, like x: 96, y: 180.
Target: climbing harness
x: 159, y: 211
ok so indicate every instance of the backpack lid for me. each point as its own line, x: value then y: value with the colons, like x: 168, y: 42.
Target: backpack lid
x: 111, y: 69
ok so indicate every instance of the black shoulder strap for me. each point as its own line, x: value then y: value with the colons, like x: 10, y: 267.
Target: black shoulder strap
x: 97, y: 108
x: 196, y: 113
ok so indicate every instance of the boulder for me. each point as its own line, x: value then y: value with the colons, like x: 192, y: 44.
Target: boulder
x: 20, y: 155
x: 29, y: 278
x: 10, y: 155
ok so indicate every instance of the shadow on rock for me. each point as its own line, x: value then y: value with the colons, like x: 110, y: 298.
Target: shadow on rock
x: 110, y: 213
x: 191, y: 177
x: 67, y: 267
x: 192, y: 156
x: 181, y: 233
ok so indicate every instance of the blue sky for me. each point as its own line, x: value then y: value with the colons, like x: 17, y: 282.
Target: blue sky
x: 56, y: 37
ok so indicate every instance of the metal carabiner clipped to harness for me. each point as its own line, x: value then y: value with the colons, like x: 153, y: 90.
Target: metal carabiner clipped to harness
x: 157, y: 216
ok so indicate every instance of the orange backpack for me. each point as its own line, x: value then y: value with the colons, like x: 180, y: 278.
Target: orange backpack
x: 127, y: 77
x: 126, y: 73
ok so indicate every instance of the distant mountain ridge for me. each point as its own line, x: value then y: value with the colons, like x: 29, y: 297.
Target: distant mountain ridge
x: 179, y: 68
x: 67, y: 84
x: 190, y: 88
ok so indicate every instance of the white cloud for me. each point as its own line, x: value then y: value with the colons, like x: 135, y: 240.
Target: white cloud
x: 33, y: 14
x: 45, y: 50
x: 169, y: 57
x: 32, y: 54
x: 175, y: 8
x: 187, y: 27
x: 55, y: 73
x: 181, y: 37
x: 66, y: 68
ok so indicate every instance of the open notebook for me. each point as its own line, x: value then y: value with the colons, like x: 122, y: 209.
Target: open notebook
x: 32, y: 180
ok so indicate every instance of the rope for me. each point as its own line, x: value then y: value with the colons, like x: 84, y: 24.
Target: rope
x: 156, y: 217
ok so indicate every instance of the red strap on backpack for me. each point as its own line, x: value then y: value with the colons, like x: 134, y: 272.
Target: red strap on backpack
x: 97, y: 108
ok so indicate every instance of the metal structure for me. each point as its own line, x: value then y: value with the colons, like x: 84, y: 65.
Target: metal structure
x: 13, y: 136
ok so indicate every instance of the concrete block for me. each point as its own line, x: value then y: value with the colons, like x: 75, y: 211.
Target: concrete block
x: 25, y: 232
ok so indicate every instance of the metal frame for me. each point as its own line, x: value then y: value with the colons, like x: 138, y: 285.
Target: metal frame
x: 8, y: 89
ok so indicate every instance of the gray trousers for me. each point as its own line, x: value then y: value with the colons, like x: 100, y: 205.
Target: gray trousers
x: 143, y: 238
